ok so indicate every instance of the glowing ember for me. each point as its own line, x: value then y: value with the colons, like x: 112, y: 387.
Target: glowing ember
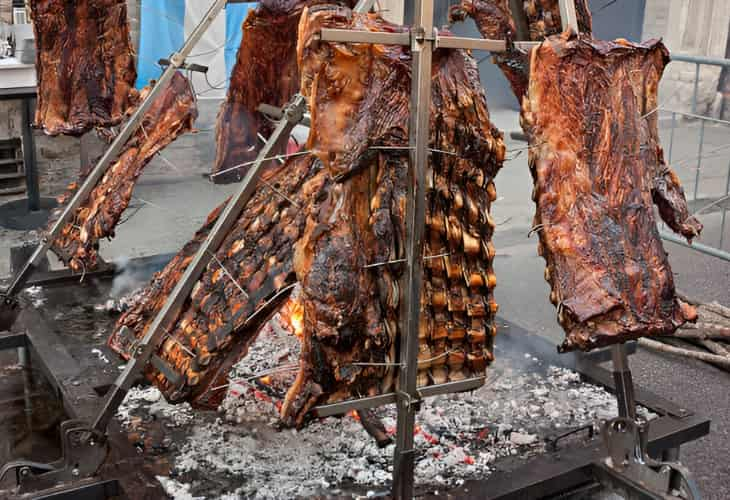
x: 265, y: 380
x: 353, y: 414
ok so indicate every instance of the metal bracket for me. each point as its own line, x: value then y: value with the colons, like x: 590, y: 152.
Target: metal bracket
x: 83, y: 451
x: 626, y: 443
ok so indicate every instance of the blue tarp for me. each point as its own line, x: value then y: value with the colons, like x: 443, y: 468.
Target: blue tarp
x: 162, y: 32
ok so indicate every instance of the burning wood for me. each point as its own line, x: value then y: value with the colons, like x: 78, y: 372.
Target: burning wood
x: 85, y: 64
x: 352, y: 199
x: 171, y: 114
x: 595, y: 188
x: 259, y: 76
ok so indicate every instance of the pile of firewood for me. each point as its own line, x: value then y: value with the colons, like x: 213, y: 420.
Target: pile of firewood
x: 707, y: 340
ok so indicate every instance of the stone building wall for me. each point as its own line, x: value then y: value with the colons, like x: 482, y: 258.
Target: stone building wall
x: 692, y: 27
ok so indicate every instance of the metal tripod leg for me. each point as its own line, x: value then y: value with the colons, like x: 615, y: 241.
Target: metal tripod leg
x: 176, y: 60
x: 147, y: 346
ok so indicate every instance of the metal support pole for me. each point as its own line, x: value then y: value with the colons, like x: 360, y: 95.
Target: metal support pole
x: 671, y: 137
x: 24, y: 362
x: 29, y: 158
x: 624, y: 383
x: 724, y: 210
x: 696, y: 91
x: 421, y: 54
x: 230, y: 215
x: 177, y: 59
x: 699, y: 159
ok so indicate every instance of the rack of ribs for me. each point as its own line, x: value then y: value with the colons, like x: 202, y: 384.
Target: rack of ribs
x: 598, y: 170
x: 85, y: 64
x: 495, y: 20
x: 171, y: 114
x: 268, y: 76
x: 333, y: 222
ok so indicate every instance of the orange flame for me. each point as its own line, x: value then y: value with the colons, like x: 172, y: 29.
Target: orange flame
x: 353, y: 414
x: 266, y: 380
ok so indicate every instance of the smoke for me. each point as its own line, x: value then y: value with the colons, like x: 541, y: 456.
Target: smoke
x: 132, y: 274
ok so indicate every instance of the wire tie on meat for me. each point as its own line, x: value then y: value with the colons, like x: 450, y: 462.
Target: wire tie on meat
x: 268, y: 184
x: 272, y: 371
x: 268, y: 302
x: 179, y: 343
x: 400, y: 365
x: 245, y: 164
x: 223, y: 268
x: 442, y: 355
x: 401, y: 261
x: 377, y: 264
x: 535, y: 229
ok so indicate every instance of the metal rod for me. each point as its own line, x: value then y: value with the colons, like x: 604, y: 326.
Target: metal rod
x: 342, y: 407
x: 29, y: 158
x: 456, y: 42
x: 421, y: 59
x: 624, y: 383
x: 568, y: 15
x: 363, y: 6
x: 363, y: 36
x: 699, y: 159
x: 706, y: 249
x: 724, y: 210
x: 696, y: 88
x: 671, y: 137
x: 176, y: 60
x: 24, y: 362
x: 149, y: 343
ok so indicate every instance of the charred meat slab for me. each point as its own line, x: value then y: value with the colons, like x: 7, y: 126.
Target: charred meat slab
x: 333, y: 222
x: 265, y: 73
x: 598, y: 170
x: 85, y: 64
x: 170, y: 115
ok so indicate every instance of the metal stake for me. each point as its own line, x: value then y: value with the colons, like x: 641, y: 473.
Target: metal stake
x: 176, y: 60
x: 421, y: 56
x: 624, y: 383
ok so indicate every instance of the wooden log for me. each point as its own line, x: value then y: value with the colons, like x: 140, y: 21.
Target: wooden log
x: 715, y: 359
x: 703, y: 331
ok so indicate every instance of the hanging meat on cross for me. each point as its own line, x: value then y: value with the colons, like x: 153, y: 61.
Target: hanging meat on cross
x: 265, y: 73
x: 333, y: 221
x: 496, y: 20
x: 170, y: 115
x: 598, y: 170
x: 85, y: 64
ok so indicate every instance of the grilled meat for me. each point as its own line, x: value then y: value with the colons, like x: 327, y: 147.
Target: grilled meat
x: 85, y: 64
x: 495, y: 20
x: 265, y: 72
x: 598, y: 169
x: 336, y: 226
x: 171, y: 114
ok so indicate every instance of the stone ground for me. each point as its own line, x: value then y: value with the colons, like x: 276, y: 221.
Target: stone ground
x: 172, y: 199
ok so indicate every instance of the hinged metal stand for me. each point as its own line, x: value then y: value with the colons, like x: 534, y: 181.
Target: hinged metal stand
x: 625, y: 439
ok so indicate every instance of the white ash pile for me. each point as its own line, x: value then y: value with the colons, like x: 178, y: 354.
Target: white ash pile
x: 148, y: 401
x: 458, y: 437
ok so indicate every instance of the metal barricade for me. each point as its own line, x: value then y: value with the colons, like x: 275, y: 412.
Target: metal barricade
x: 706, y: 173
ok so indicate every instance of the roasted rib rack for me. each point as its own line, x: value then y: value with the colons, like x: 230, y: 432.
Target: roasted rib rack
x: 333, y: 221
